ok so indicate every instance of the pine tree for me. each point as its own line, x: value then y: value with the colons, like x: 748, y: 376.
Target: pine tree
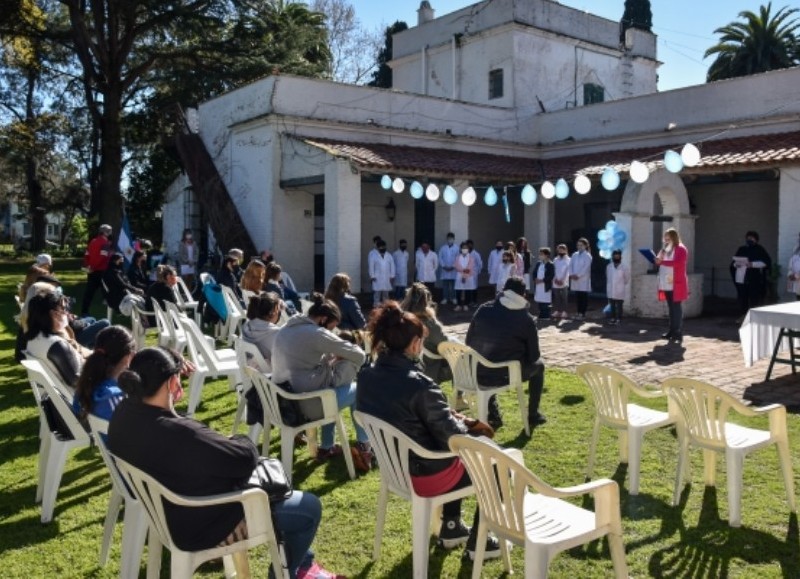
x: 637, y: 15
x: 382, y: 77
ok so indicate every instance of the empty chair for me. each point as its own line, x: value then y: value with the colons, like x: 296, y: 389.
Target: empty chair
x: 63, y: 433
x: 257, y: 517
x: 186, y: 301
x: 134, y: 529
x: 392, y: 448
x: 177, y: 334
x: 702, y: 412
x: 166, y: 332
x: 464, y: 362
x: 519, y: 507
x: 610, y: 392
x: 271, y: 394
x: 209, y: 362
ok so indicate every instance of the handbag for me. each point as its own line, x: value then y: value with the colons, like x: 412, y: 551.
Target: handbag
x: 271, y: 478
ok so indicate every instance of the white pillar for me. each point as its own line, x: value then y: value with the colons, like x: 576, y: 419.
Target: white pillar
x: 788, y: 210
x: 452, y: 218
x: 538, y: 222
x: 342, y: 221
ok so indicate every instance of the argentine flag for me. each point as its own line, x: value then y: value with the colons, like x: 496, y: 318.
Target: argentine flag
x: 124, y: 242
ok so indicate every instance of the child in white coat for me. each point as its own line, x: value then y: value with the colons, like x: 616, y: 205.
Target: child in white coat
x: 618, y: 276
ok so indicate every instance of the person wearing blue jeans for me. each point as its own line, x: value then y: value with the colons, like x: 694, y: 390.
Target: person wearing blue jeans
x: 311, y: 357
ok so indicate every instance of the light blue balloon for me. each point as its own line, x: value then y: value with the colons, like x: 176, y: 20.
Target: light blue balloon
x: 605, y: 253
x: 610, y: 179
x: 450, y: 195
x: 417, y: 190
x: 386, y: 182
x: 602, y: 235
x: 673, y: 161
x: 562, y: 189
x: 528, y: 195
x: 611, y: 226
x: 620, y: 237
x: 490, y: 198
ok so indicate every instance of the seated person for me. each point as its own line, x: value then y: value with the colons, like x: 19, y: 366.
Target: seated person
x: 339, y: 293
x: 227, y: 276
x: 272, y: 283
x: 419, y: 302
x: 260, y: 329
x: 97, y: 391
x: 137, y: 272
x: 394, y: 390
x: 504, y: 330
x: 191, y: 459
x: 115, y: 284
x: 238, y: 255
x: 310, y: 357
x: 162, y: 291
x: 49, y: 338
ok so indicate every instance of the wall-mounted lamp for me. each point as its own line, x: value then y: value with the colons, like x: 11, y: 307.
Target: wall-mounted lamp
x: 391, y: 209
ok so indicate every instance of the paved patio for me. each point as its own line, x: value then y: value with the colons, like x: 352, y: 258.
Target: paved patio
x: 710, y: 352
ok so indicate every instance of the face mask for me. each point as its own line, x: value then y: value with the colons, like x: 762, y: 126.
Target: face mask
x: 464, y: 251
x: 498, y: 248
x: 403, y: 247
x: 750, y: 242
x: 581, y: 248
x: 561, y: 254
x: 450, y: 241
x: 506, y: 261
x: 382, y: 250
x: 616, y: 259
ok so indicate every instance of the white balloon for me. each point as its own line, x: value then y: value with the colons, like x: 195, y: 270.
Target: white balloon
x: 690, y: 155
x: 639, y: 172
x: 673, y: 161
x: 469, y: 197
x: 582, y: 184
x: 610, y: 179
x: 432, y: 192
x: 528, y: 195
x: 548, y: 190
x: 398, y: 185
x: 562, y: 189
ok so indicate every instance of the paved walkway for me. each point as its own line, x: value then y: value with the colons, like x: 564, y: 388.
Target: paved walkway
x: 710, y: 352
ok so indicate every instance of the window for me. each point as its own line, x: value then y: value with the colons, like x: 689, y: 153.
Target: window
x: 496, y: 83
x: 593, y: 93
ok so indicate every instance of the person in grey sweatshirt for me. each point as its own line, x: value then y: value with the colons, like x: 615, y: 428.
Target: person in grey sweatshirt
x: 310, y: 357
x: 260, y: 329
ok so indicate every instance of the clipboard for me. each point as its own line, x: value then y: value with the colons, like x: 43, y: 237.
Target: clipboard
x: 648, y: 254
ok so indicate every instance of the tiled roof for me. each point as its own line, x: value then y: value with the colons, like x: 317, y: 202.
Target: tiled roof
x: 740, y: 153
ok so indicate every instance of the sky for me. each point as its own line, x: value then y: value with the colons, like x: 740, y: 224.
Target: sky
x: 685, y: 28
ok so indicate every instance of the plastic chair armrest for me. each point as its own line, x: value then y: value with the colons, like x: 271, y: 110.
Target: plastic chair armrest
x: 647, y: 392
x: 591, y: 487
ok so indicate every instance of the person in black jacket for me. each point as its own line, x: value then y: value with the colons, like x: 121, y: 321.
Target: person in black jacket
x: 137, y: 274
x: 227, y: 276
x: 750, y: 274
x: 115, y: 284
x: 162, y: 291
x: 542, y: 276
x: 191, y: 459
x: 505, y: 330
x: 338, y: 291
x: 395, y: 390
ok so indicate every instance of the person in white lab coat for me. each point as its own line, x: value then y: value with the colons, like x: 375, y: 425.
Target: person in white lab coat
x: 580, y: 276
x: 618, y: 277
x: 561, y: 282
x: 447, y: 257
x: 426, y: 264
x: 794, y: 271
x: 472, y: 294
x: 465, y: 278
x: 495, y: 257
x: 400, y: 257
x: 381, y: 273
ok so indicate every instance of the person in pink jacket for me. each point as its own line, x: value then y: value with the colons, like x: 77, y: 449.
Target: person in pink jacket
x: 673, y: 283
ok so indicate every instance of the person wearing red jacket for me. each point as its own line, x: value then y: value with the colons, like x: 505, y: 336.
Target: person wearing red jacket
x: 673, y: 282
x: 98, y: 254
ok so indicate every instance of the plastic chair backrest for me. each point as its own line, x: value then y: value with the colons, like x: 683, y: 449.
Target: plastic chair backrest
x: 99, y: 428
x: 162, y: 320
x: 703, y: 407
x: 463, y: 362
x: 248, y: 354
x: 173, y: 313
x: 267, y: 393
x: 61, y: 398
x: 610, y: 390
x: 183, y: 293
x: 201, y: 352
x: 234, y: 306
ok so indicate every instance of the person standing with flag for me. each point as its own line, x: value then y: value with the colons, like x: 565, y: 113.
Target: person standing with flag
x: 98, y: 253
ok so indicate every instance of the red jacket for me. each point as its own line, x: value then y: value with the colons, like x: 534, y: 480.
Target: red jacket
x: 98, y: 253
x: 680, y: 281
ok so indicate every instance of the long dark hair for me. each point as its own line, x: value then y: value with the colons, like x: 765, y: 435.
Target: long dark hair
x: 39, y: 308
x: 393, y: 329
x: 149, y: 369
x: 111, y: 346
x: 262, y: 306
x: 338, y: 287
x: 324, y: 307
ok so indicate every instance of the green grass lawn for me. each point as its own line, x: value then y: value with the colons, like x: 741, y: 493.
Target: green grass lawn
x: 691, y: 540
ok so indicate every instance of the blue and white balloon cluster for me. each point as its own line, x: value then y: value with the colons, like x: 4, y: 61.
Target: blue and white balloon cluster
x: 610, y: 239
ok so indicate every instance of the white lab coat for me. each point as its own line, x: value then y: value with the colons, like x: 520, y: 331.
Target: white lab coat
x: 478, y: 265
x: 381, y: 271
x: 794, y: 269
x: 426, y: 266
x: 561, y: 279
x: 580, y: 264
x: 465, y: 268
x: 504, y: 271
x: 447, y: 258
x: 617, y: 280
x: 400, y: 258
x: 495, y: 258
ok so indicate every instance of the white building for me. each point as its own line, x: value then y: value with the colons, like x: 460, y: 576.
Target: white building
x: 302, y: 158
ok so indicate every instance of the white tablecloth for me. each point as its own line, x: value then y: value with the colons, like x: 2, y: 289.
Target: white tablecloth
x: 761, y: 328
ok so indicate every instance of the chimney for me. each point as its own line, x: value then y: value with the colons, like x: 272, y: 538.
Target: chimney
x: 425, y: 12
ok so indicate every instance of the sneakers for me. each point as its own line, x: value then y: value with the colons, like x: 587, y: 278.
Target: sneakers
x: 363, y: 457
x: 495, y: 420
x: 323, y: 454
x: 537, y: 420
x: 492, y: 548
x: 317, y: 572
x: 453, y: 533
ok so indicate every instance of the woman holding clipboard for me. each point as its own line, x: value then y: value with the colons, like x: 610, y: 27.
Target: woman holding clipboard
x: 673, y: 283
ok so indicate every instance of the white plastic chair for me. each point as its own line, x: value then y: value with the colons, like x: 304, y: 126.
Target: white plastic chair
x: 392, y: 448
x: 166, y: 333
x: 134, y: 529
x: 209, y: 362
x: 257, y: 517
x: 236, y: 315
x: 177, y: 335
x: 610, y: 391
x: 464, y: 362
x: 269, y: 394
x: 702, y: 411
x: 248, y: 354
x: 140, y: 325
x: 541, y: 520
x: 54, y: 445
x: 186, y: 301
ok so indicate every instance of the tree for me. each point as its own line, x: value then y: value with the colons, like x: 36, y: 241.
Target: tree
x: 382, y: 76
x: 762, y: 42
x: 637, y: 14
x: 353, y: 48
